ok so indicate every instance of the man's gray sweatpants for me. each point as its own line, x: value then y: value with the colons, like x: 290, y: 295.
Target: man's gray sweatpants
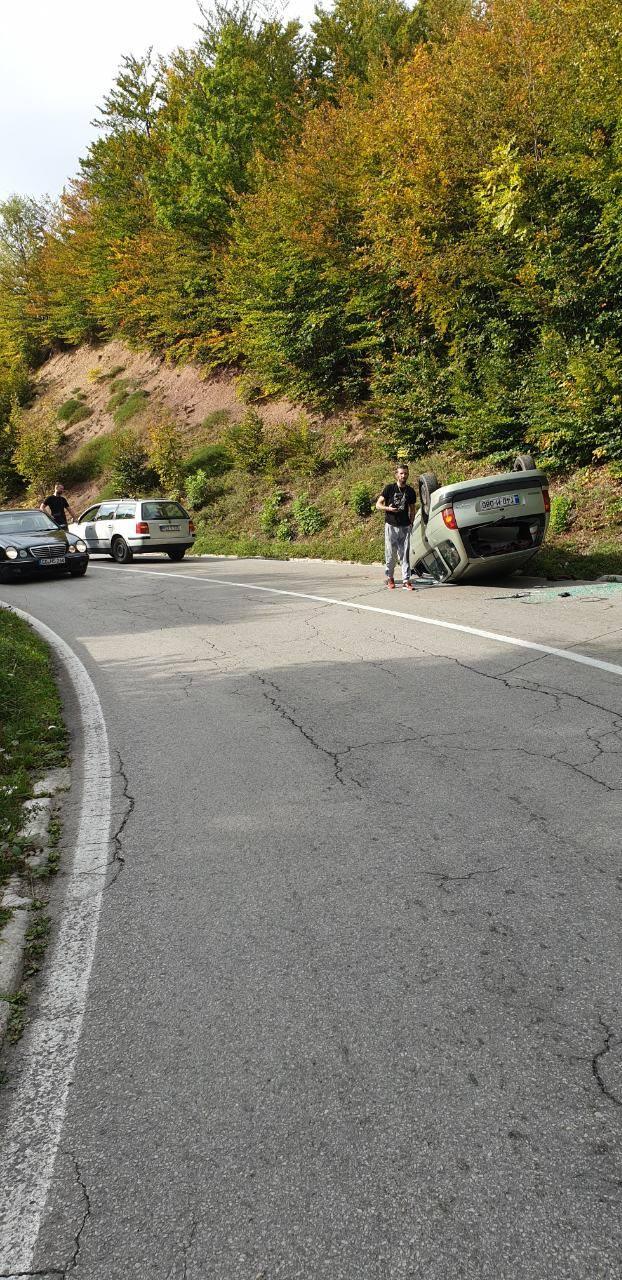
x: 397, y: 547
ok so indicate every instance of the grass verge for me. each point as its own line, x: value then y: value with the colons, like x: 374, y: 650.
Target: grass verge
x: 33, y: 737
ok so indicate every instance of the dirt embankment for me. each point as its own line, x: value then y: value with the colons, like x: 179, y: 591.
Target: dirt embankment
x: 188, y: 396
x: 192, y: 400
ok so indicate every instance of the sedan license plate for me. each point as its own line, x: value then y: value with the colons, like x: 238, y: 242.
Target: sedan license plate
x: 169, y: 528
x: 53, y: 560
x: 497, y: 504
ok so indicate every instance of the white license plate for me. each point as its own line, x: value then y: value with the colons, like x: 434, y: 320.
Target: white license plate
x: 53, y: 560
x: 169, y: 528
x: 497, y: 504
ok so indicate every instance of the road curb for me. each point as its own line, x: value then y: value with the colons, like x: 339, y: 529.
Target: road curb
x: 17, y: 896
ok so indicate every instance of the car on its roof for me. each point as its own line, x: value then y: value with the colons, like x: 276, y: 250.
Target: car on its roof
x: 480, y: 528
x: 125, y: 527
x: 32, y: 545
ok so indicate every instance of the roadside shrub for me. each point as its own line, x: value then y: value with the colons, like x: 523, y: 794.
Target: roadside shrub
x: 561, y: 513
x: 36, y: 454
x: 165, y: 455
x: 271, y: 517
x: 129, y: 462
x: 361, y: 500
x: 197, y: 488
x: 301, y: 447
x: 614, y: 510
x: 284, y: 531
x: 248, y: 446
x: 341, y: 452
x: 308, y: 518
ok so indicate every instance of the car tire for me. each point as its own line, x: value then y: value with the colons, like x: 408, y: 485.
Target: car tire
x: 524, y: 462
x: 176, y: 553
x: 428, y: 484
x: 120, y: 551
x: 79, y: 572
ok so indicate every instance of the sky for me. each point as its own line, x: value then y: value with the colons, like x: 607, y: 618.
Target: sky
x: 58, y: 58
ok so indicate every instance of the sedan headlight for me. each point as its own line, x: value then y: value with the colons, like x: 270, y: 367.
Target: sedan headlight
x: 10, y: 553
x: 81, y: 546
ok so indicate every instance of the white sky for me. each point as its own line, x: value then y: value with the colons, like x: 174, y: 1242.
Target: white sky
x: 58, y: 58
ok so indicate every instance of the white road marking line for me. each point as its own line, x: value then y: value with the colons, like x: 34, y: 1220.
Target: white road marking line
x: 30, y: 1142
x: 567, y: 654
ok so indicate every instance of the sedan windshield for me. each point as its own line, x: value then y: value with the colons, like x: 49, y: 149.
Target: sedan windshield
x: 25, y: 522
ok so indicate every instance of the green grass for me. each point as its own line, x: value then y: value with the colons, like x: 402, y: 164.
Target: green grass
x: 129, y: 407
x: 32, y: 733
x: 73, y: 410
x: 213, y: 459
x: 561, y: 559
x: 218, y: 418
x: 89, y: 462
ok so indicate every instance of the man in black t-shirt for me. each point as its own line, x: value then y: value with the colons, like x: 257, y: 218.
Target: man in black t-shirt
x: 57, y: 507
x: 398, y: 501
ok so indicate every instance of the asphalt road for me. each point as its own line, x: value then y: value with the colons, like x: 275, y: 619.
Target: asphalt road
x: 355, y: 1008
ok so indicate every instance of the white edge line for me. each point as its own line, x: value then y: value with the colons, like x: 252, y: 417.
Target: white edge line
x: 567, y: 654
x: 35, y: 1121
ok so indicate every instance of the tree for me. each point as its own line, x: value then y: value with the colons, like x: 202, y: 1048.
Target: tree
x: 354, y: 39
x: 237, y: 96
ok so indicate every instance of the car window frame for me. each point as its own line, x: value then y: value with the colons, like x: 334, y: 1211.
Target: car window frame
x: 104, y: 507
x: 121, y: 506
x: 87, y: 517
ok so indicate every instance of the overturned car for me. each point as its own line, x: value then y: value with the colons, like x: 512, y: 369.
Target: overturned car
x: 480, y: 528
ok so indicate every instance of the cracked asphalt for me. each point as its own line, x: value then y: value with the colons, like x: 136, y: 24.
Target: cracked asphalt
x: 355, y: 1009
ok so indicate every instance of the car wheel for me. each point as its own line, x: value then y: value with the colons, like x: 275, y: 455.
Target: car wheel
x: 428, y: 484
x: 120, y: 551
x: 176, y: 553
x: 524, y: 462
x: 79, y: 572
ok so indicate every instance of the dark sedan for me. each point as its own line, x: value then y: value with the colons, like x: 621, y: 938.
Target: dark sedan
x: 31, y: 545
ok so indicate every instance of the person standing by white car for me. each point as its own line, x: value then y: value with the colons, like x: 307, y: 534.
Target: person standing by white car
x: 398, y: 501
x: 57, y: 507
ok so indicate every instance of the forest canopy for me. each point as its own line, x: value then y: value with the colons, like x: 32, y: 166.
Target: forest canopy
x: 417, y: 210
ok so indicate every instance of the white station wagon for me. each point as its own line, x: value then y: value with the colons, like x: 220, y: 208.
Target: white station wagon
x: 126, y: 527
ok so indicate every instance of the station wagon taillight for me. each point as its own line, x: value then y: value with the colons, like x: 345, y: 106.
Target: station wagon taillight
x: 449, y: 518
x: 547, y: 499
x: 142, y: 526
x: 191, y: 526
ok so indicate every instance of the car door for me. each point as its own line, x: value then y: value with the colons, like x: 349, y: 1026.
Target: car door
x: 125, y: 520
x: 104, y: 525
x: 84, y: 527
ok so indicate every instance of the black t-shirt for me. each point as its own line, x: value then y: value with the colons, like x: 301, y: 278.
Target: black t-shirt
x: 400, y: 498
x: 58, y: 506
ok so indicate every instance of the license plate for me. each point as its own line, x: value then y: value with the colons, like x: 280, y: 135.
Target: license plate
x: 169, y: 528
x: 497, y: 504
x: 53, y: 560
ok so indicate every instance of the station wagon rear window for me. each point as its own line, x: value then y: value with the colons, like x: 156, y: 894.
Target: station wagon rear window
x: 163, y: 511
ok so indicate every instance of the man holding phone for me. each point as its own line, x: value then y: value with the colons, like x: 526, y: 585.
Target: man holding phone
x: 398, y: 501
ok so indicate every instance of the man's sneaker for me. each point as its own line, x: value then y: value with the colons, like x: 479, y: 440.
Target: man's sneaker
x: 407, y: 586
x: 391, y: 584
